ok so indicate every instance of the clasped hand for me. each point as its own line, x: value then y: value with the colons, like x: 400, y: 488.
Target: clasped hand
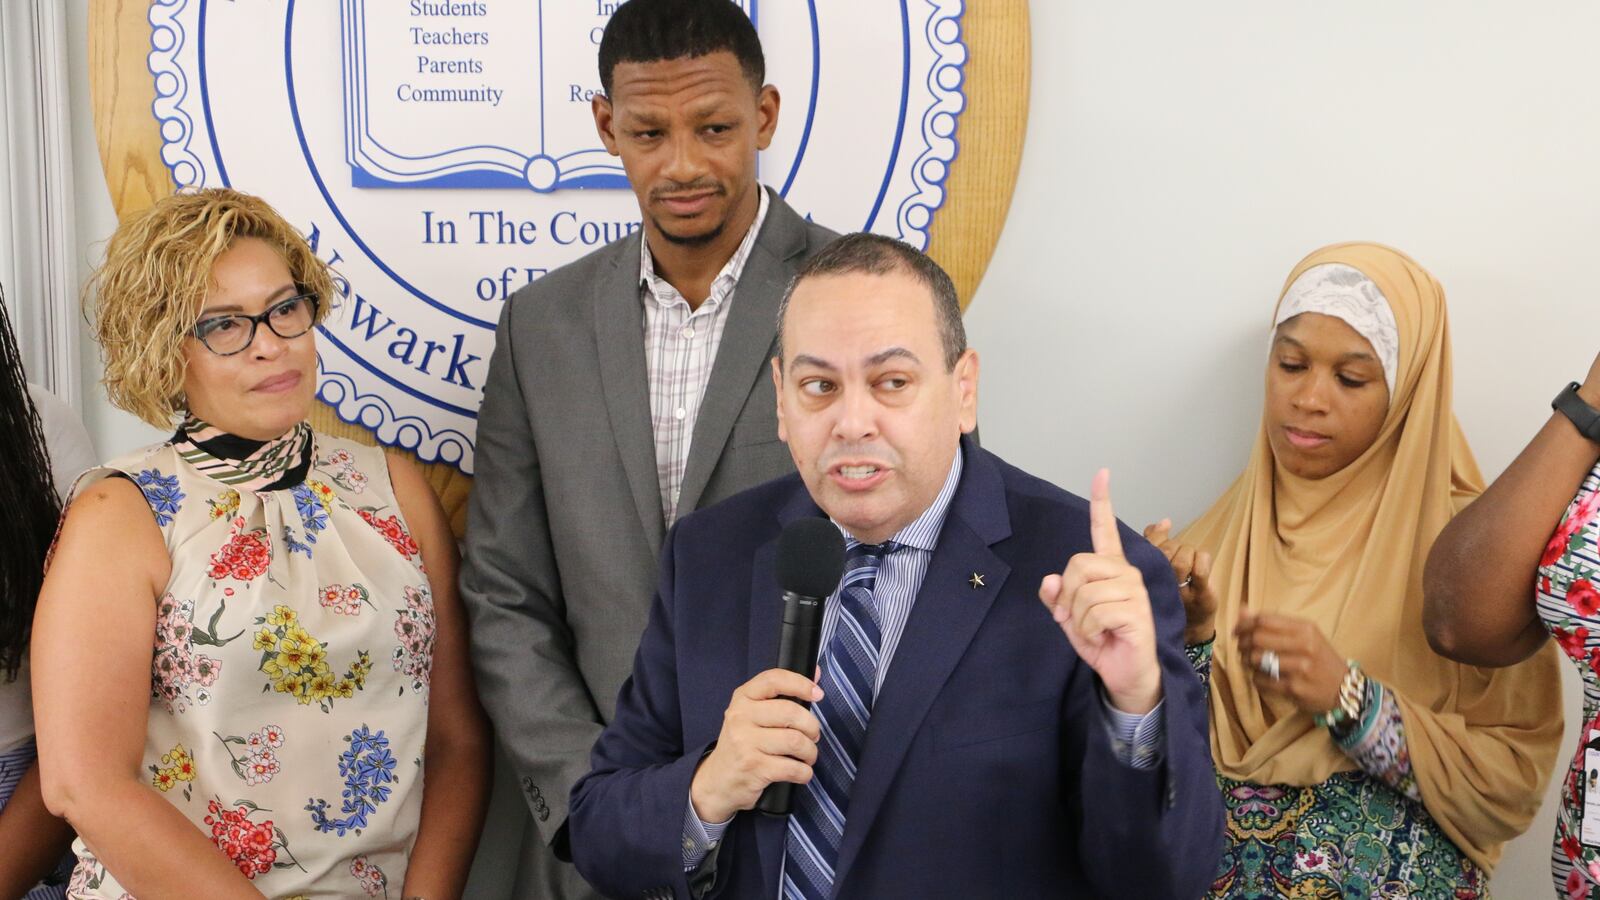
x: 1309, y: 669
x: 1192, y: 567
x: 1102, y: 606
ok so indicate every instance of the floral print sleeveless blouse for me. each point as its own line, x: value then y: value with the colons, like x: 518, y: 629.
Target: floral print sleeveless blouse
x: 292, y: 646
x: 1569, y: 603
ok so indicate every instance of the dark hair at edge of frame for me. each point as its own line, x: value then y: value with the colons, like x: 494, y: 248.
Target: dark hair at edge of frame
x: 644, y: 31
x: 875, y: 254
x: 28, y: 496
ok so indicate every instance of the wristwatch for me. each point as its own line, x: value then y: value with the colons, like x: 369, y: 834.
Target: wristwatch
x: 1584, y: 417
x: 1349, y: 712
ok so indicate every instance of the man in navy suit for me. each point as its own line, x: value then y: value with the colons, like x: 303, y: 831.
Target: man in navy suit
x: 958, y: 745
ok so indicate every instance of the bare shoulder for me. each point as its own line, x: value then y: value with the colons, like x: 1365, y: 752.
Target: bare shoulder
x: 406, y: 476
x: 112, y: 504
x: 418, y: 503
x: 108, y: 527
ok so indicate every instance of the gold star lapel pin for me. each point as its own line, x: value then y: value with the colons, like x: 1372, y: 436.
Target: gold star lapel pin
x: 976, y: 581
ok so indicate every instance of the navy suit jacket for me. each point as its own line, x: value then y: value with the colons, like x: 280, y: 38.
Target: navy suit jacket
x: 987, y: 771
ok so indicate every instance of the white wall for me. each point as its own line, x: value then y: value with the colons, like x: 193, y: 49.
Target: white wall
x: 1180, y: 159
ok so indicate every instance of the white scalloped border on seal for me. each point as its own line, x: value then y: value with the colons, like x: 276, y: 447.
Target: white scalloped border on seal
x: 167, y: 40
x: 913, y: 217
x: 914, y: 214
x: 946, y: 78
x: 374, y: 413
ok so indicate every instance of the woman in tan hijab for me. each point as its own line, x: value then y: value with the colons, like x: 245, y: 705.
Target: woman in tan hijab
x: 1353, y: 760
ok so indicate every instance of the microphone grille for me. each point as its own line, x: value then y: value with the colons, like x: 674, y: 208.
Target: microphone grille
x: 810, y: 557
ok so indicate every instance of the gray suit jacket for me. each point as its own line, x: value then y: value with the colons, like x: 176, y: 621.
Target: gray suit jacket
x: 565, y: 525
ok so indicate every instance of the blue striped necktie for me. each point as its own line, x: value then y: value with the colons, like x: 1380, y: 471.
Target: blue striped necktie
x: 849, y: 680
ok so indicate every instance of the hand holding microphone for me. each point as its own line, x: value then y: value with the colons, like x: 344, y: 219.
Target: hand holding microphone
x: 769, y: 738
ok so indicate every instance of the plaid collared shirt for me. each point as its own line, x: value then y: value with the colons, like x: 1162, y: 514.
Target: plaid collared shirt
x: 680, y: 347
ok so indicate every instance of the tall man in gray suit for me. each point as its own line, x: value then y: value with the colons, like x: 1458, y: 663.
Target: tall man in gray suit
x: 626, y: 389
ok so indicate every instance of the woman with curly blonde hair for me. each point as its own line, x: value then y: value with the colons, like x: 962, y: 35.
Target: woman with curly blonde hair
x: 249, y: 632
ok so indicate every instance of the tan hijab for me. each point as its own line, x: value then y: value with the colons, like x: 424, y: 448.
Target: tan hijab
x: 1347, y: 553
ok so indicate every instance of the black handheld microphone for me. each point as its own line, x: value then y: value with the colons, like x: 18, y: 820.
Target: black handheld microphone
x: 810, y: 564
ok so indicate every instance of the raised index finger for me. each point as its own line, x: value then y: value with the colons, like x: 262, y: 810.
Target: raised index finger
x: 1102, y: 521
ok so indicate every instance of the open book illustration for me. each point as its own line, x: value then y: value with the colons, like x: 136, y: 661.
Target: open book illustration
x: 496, y: 95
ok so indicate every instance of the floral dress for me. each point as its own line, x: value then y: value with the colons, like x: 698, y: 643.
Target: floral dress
x: 1359, y: 834
x: 292, y: 647
x: 1568, y: 599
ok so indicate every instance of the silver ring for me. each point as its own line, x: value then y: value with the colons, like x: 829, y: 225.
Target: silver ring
x: 1186, y: 582
x: 1270, y: 664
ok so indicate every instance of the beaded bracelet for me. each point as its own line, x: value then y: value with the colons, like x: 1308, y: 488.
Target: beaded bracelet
x: 1352, y: 697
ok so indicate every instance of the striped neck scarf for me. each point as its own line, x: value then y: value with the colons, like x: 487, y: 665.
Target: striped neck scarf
x: 243, y: 463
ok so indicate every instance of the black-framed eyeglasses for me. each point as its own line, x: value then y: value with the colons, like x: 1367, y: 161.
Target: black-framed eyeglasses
x: 230, y: 334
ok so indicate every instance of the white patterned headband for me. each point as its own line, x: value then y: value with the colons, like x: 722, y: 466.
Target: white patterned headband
x: 1344, y: 292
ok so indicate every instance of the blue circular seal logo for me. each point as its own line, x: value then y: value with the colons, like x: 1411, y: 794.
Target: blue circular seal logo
x: 441, y: 154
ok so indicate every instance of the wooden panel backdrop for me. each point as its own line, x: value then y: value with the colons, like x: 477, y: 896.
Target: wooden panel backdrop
x: 962, y: 237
